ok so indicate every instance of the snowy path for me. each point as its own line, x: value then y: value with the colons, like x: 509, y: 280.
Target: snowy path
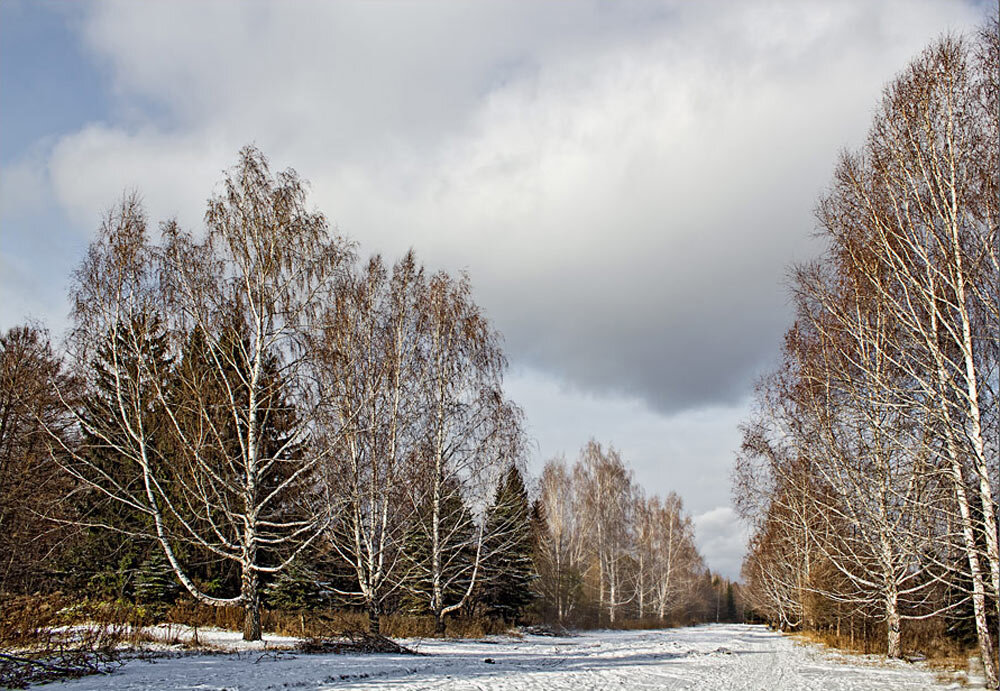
x: 704, y: 657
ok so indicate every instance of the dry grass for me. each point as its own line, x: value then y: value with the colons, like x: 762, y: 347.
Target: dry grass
x: 648, y: 624
x: 332, y: 622
x: 30, y: 621
x: 45, y: 638
x: 923, y: 641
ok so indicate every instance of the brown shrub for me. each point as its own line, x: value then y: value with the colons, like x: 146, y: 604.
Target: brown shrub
x: 44, y: 638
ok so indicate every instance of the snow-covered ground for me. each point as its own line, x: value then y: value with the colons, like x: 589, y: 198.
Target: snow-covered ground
x: 170, y: 635
x: 703, y: 657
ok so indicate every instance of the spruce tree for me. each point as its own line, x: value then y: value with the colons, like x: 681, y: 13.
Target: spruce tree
x: 104, y: 562
x: 156, y: 585
x: 509, y: 571
x: 210, y: 387
x: 294, y: 589
x: 730, y: 604
x: 457, y: 533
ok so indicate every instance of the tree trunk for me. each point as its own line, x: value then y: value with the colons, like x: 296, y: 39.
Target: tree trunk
x: 251, y: 605
x: 892, y: 626
x: 611, y: 603
x: 374, y: 627
x: 642, y: 588
x: 438, y: 624
x: 986, y: 649
x: 983, y: 633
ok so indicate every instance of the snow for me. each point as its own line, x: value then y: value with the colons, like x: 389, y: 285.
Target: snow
x: 219, y: 639
x: 719, y: 656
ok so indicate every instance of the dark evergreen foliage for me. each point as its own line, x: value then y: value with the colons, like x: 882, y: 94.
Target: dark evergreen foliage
x: 296, y: 588
x: 730, y: 613
x: 456, y: 532
x: 115, y: 538
x: 509, y: 571
x: 155, y: 583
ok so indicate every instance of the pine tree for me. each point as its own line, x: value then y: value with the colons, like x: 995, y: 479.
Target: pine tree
x: 509, y: 570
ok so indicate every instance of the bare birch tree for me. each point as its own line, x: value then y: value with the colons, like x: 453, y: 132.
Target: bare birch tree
x: 610, y: 550
x: 372, y: 358
x: 470, y: 435
x: 674, y: 559
x: 880, y: 477
x: 206, y: 468
x: 883, y: 417
x: 606, y: 490
x: 562, y: 552
x: 918, y: 201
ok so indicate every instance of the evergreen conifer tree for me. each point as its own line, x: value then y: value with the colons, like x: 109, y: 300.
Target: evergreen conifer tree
x: 458, y: 542
x: 104, y: 562
x: 294, y: 589
x: 509, y: 570
x: 214, y: 374
x: 730, y: 604
x: 155, y: 583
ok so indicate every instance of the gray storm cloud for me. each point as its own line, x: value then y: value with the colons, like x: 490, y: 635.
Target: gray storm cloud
x: 626, y: 184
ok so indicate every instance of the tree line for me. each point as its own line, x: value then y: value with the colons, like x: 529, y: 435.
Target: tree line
x: 608, y: 552
x: 253, y: 417
x: 869, y: 467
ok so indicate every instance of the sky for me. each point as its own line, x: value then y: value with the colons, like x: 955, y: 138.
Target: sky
x: 626, y: 183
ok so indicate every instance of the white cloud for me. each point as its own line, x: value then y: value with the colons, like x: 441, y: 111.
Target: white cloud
x: 23, y: 184
x: 34, y: 270
x: 174, y: 174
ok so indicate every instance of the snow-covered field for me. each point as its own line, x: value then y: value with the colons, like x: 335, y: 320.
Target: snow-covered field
x: 703, y: 657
